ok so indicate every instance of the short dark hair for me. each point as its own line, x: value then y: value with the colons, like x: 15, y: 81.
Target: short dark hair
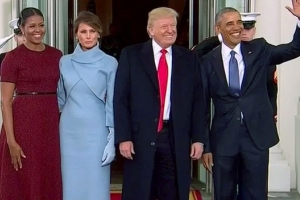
x: 221, y: 12
x: 90, y: 19
x: 28, y: 12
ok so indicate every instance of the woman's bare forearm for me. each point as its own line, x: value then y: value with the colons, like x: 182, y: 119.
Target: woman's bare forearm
x: 7, y: 92
x: 8, y: 121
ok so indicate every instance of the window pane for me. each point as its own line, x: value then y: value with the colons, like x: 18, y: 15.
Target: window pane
x: 238, y: 4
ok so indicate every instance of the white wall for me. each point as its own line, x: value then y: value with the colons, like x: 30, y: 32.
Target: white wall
x: 281, y: 31
x: 6, y: 16
x: 289, y: 73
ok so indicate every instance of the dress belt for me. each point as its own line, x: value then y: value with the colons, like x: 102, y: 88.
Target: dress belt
x: 36, y: 93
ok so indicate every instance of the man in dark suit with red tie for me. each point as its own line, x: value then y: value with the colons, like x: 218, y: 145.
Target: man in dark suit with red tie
x: 243, y: 127
x: 159, y: 115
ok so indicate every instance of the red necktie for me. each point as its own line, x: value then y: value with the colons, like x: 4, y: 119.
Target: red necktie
x: 162, y: 80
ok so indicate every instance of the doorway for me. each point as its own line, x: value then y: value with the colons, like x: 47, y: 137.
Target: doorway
x: 131, y: 22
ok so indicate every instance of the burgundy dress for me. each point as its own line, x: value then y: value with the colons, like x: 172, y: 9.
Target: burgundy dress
x: 35, y: 123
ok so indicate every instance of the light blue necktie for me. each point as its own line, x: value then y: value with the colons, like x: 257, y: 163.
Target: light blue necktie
x: 234, y: 80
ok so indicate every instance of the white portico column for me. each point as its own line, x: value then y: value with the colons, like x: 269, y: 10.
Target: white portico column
x: 268, y: 26
x: 5, y: 17
x: 297, y: 140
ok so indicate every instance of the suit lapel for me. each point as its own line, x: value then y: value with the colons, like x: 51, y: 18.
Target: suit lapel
x: 176, y: 63
x: 217, y: 63
x: 148, y: 62
x: 247, y: 58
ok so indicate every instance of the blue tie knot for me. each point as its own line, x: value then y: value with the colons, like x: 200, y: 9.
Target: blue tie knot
x: 232, y: 53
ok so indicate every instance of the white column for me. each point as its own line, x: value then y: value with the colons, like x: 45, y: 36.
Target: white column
x: 288, y: 98
x: 268, y: 26
x: 62, y: 16
x: 5, y: 17
x: 297, y: 141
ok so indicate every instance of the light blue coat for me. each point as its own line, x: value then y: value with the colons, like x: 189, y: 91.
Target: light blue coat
x: 85, y: 96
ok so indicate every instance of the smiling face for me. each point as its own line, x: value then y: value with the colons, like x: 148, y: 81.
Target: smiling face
x: 34, y: 30
x: 87, y: 36
x: 230, y: 26
x: 164, y: 31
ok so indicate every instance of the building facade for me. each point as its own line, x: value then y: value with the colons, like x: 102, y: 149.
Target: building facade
x: 275, y: 24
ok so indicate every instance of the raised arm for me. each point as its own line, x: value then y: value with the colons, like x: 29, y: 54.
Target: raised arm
x: 285, y: 52
x: 206, y: 46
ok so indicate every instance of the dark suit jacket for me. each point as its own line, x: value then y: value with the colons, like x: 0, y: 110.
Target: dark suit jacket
x: 253, y: 101
x: 210, y: 43
x: 136, y: 114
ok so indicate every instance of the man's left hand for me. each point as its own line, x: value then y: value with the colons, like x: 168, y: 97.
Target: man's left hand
x: 296, y: 8
x: 196, y: 150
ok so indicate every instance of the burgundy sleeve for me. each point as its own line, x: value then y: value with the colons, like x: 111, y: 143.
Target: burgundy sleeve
x: 9, y: 71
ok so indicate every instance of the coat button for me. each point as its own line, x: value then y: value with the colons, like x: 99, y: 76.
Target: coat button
x: 155, y: 120
x: 152, y: 143
x: 239, y: 119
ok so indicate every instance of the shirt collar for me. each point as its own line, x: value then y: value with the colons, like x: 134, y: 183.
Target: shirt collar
x: 226, y: 50
x: 157, y: 48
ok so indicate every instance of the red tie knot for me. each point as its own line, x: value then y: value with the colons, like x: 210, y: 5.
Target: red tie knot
x: 163, y: 51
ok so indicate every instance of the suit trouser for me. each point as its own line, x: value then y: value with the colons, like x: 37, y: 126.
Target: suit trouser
x: 164, y: 181
x: 253, y: 177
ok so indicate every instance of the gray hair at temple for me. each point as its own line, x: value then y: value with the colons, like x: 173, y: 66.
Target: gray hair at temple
x: 221, y: 12
x: 161, y: 12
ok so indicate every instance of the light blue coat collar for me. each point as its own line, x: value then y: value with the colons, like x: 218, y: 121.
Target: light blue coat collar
x: 90, y: 56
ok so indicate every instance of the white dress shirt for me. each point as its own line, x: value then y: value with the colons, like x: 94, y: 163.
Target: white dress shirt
x: 238, y: 55
x: 157, y: 54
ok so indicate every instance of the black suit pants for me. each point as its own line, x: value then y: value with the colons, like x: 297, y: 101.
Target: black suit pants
x: 164, y: 181
x: 253, y: 175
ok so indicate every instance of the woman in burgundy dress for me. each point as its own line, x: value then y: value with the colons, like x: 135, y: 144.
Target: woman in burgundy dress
x: 29, y: 140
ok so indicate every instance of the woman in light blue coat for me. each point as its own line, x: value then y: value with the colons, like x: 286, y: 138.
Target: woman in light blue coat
x: 85, y: 96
